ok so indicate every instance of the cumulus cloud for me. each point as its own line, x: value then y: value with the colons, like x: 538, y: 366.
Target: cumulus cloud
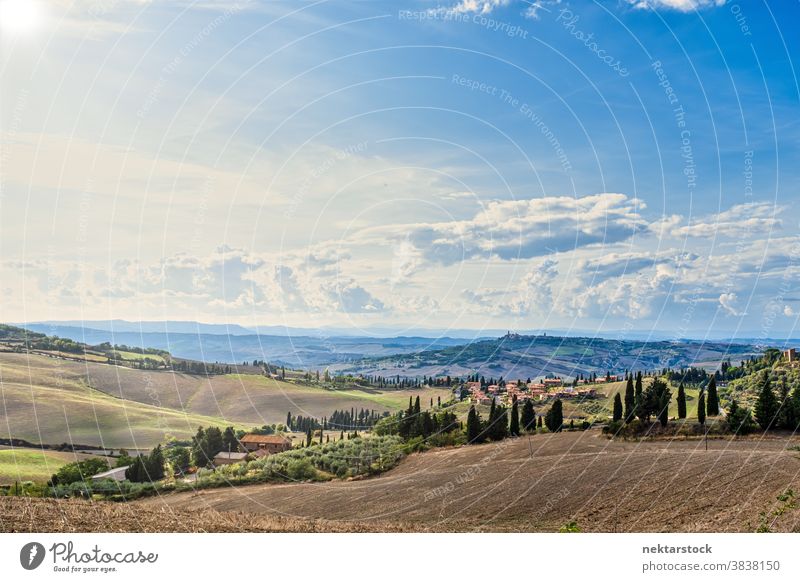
x: 728, y: 302
x: 533, y: 295
x: 679, y: 5
x: 613, y: 265
x: 521, y: 229
x: 349, y: 297
x: 632, y: 297
x: 229, y: 279
x: 738, y: 221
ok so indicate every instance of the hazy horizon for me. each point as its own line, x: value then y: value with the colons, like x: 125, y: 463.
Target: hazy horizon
x: 377, y: 331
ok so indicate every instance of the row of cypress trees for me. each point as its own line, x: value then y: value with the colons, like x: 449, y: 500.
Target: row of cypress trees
x: 502, y: 424
x: 771, y: 411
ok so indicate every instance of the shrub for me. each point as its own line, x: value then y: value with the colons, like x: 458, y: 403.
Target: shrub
x: 300, y: 470
x: 78, y: 471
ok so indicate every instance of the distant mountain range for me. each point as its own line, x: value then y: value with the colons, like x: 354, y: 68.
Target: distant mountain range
x: 511, y: 354
x: 382, y: 332
x: 301, y: 352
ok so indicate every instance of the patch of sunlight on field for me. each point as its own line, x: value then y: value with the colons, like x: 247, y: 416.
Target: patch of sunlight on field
x: 32, y: 465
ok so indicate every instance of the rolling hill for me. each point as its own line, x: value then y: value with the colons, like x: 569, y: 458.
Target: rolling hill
x: 519, y: 356
x: 48, y: 400
x: 18, y: 464
x: 297, y: 351
x: 53, y: 400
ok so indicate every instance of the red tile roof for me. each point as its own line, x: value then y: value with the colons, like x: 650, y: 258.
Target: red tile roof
x: 265, y: 438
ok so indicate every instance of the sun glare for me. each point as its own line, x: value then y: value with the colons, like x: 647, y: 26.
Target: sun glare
x: 19, y: 17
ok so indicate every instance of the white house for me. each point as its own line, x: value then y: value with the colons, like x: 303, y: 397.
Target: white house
x: 117, y: 474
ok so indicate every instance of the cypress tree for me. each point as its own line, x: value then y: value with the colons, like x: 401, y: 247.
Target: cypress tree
x: 213, y: 442
x: 229, y: 441
x: 681, y: 401
x: 630, y: 400
x: 528, y: 415
x: 135, y: 471
x: 417, y: 408
x: 660, y: 397
x: 637, y: 396
x: 617, y: 408
x: 766, y: 408
x: 514, y: 429
x: 554, y: 419
x: 712, y: 404
x: 701, y: 408
x: 473, y: 426
x: 154, y: 465
x: 498, y: 423
x: 198, y: 454
x: 784, y: 406
x: 539, y: 422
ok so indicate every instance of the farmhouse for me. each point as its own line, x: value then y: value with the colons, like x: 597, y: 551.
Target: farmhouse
x: 117, y: 474
x: 271, y: 443
x: 790, y: 355
x: 226, y: 458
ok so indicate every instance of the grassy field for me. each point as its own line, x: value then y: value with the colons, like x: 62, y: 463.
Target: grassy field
x: 89, y: 356
x: 32, y: 465
x: 49, y: 400
x: 132, y: 356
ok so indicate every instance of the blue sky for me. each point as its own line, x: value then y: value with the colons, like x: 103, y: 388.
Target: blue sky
x: 602, y: 166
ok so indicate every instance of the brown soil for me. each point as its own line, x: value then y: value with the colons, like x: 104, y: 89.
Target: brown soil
x: 18, y: 514
x: 605, y: 486
x: 659, y: 486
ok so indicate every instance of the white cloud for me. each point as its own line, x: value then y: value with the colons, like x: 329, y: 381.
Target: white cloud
x: 728, y: 302
x: 613, y: 265
x: 738, y: 221
x: 679, y: 5
x: 536, y: 6
x: 533, y: 295
x: 630, y: 297
x: 521, y: 229
x: 477, y: 6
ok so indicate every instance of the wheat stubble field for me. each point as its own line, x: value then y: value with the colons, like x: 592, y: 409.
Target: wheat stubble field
x: 603, y: 486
